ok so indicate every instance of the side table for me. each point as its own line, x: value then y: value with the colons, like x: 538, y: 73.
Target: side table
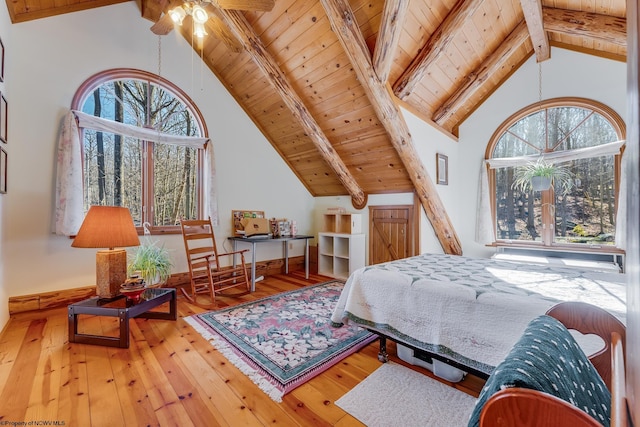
x: 123, y: 308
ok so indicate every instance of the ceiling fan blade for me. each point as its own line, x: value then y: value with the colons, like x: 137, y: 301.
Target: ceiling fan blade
x: 163, y: 26
x: 253, y: 5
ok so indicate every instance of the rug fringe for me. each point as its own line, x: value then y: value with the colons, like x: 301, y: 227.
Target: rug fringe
x: 227, y: 351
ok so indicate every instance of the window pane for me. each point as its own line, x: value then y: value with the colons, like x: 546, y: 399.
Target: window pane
x: 175, y: 177
x: 112, y: 172
x: 170, y: 115
x: 159, y: 183
x: 584, y: 215
x: 518, y: 214
x: 587, y: 213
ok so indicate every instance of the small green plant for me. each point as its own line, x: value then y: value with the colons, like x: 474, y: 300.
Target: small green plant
x: 151, y: 261
x: 558, y: 176
x: 579, y: 230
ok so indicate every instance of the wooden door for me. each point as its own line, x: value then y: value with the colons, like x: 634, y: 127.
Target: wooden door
x: 392, y: 233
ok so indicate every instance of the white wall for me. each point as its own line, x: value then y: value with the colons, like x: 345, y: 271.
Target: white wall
x: 56, y: 56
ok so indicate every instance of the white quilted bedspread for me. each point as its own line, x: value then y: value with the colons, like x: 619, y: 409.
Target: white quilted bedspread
x: 471, y: 310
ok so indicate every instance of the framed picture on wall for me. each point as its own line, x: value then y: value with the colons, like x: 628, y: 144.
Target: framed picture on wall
x: 3, y: 118
x: 3, y: 171
x: 442, y: 169
x: 1, y: 61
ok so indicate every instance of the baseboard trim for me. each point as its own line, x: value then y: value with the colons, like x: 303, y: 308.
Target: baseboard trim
x: 64, y: 297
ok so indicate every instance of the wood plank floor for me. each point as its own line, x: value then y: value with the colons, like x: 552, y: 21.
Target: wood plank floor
x: 169, y: 376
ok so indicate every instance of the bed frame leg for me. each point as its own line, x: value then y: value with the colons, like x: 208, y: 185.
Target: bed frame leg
x: 382, y: 354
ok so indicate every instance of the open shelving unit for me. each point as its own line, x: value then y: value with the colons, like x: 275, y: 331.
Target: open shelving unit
x: 341, y: 247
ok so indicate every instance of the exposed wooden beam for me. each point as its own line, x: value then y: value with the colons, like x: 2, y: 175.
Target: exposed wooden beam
x: 393, y: 16
x: 474, y: 81
x: 153, y: 9
x: 437, y: 43
x: 221, y: 31
x: 346, y: 29
x: 31, y: 13
x: 585, y: 24
x: 533, y: 15
x: 259, y: 5
x: 237, y: 23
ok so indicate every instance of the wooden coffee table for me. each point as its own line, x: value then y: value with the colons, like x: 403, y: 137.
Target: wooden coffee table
x: 123, y: 308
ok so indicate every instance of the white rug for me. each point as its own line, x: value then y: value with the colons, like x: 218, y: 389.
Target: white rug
x: 394, y: 395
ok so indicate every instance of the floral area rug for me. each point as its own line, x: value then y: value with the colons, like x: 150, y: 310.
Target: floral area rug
x: 283, y: 340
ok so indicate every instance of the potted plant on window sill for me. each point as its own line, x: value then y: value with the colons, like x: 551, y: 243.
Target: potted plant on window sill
x: 541, y: 175
x: 150, y: 262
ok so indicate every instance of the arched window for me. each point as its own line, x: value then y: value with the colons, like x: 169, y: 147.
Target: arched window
x: 158, y: 178
x: 577, y: 135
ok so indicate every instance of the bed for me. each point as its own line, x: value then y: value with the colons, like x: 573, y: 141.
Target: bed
x: 467, y: 312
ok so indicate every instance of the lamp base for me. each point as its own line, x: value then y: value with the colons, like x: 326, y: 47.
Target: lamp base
x: 111, y: 272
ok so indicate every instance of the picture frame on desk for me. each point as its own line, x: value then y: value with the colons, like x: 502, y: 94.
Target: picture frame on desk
x: 285, y: 227
x: 280, y: 227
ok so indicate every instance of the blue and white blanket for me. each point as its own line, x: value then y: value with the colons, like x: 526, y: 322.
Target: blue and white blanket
x: 470, y: 310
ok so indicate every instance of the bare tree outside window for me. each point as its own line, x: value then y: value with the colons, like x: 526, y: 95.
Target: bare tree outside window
x: 159, y: 183
x: 584, y: 215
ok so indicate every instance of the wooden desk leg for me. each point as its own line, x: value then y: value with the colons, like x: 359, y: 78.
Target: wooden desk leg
x: 173, y: 306
x: 73, y: 325
x: 124, y: 328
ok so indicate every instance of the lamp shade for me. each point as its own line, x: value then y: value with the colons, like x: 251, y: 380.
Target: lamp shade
x: 107, y: 227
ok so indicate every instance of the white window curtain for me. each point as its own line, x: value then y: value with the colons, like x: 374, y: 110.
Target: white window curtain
x: 485, y: 231
x: 69, y: 211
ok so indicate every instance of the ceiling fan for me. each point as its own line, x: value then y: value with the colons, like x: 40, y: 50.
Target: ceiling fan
x: 205, y: 11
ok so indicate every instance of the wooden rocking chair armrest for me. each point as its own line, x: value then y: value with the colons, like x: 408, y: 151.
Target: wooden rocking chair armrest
x: 240, y: 252
x: 205, y: 257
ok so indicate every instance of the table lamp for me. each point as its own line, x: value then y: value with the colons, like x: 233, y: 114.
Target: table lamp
x: 108, y: 227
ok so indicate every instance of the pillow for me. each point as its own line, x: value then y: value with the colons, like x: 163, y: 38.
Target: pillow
x: 547, y: 358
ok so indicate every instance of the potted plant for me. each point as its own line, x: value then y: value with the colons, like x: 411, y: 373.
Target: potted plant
x: 540, y: 175
x: 151, y: 262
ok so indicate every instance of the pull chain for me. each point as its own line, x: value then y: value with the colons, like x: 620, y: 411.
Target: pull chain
x: 159, y: 55
x: 540, y: 85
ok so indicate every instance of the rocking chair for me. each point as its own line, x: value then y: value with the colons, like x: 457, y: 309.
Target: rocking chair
x: 205, y: 272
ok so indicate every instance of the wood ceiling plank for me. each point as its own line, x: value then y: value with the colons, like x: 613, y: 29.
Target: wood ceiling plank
x: 474, y: 81
x: 24, y: 11
x: 436, y: 44
x: 266, y: 63
x: 292, y: 22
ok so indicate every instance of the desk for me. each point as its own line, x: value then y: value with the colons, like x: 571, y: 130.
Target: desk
x: 284, y: 240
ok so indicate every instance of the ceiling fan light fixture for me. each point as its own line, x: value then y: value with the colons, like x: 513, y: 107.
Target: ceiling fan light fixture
x: 198, y: 30
x: 177, y: 15
x: 199, y: 15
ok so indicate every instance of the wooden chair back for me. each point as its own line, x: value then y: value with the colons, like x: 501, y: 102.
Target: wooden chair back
x: 206, y: 273
x: 589, y: 319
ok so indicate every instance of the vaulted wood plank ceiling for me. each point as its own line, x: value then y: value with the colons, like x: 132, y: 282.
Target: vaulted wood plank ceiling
x: 323, y: 79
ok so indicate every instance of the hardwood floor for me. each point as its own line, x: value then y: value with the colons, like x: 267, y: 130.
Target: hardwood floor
x: 169, y: 376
